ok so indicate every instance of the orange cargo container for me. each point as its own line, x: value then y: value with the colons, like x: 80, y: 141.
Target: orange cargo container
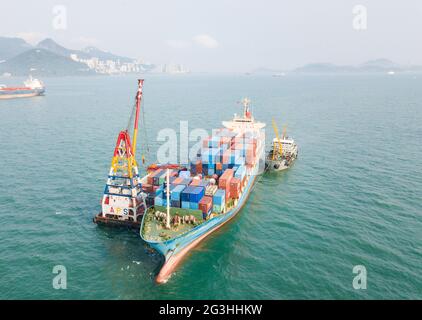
x: 234, y: 188
x: 178, y: 180
x: 205, y: 204
x: 199, y: 167
x: 195, y: 182
x: 224, y: 180
x: 218, y: 166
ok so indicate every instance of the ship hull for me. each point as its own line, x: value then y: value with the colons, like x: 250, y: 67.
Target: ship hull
x: 100, y: 220
x: 12, y: 94
x: 176, y: 249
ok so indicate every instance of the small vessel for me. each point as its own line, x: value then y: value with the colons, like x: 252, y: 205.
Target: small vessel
x: 123, y: 202
x: 32, y: 87
x: 189, y: 205
x: 283, y: 152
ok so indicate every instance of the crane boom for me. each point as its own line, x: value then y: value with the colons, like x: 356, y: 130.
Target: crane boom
x: 278, y: 143
x: 138, y: 108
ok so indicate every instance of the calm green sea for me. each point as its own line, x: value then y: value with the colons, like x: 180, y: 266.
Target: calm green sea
x: 352, y: 198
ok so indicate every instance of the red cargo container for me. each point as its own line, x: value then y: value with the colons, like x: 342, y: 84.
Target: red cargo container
x: 205, y: 204
x: 147, y: 187
x: 224, y: 181
x: 198, y: 166
x: 152, y: 175
x: 218, y: 166
x: 234, y: 188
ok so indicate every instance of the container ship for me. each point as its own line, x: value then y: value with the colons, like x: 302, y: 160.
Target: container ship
x: 32, y: 87
x: 186, y: 205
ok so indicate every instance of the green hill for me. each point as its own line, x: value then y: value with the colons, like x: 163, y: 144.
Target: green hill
x: 10, y: 47
x: 43, y: 62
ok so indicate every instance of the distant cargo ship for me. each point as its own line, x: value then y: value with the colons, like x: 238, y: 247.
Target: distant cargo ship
x: 189, y: 205
x: 32, y: 87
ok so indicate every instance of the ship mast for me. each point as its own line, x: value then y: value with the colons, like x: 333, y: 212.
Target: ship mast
x: 246, y: 110
x: 168, y: 200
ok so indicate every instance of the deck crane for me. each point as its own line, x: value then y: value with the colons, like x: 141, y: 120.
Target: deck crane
x: 278, y: 143
x: 123, y: 199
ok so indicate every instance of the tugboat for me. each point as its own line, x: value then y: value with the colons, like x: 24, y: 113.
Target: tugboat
x: 283, y: 152
x: 32, y: 87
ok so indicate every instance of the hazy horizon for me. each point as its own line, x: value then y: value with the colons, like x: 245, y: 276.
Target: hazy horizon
x: 235, y: 36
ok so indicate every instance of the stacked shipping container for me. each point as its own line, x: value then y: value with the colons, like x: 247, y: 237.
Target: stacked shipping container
x: 223, y: 158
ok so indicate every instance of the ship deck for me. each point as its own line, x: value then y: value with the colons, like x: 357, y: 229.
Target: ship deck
x: 154, y: 229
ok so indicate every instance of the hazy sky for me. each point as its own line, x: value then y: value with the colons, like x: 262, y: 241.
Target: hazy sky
x: 231, y: 35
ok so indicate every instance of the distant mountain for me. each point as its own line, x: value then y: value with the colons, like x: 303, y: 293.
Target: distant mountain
x: 324, y: 68
x: 43, y: 62
x: 51, y: 45
x: 87, y: 53
x: 379, y: 65
x: 372, y: 66
x: 10, y: 47
x: 104, y: 55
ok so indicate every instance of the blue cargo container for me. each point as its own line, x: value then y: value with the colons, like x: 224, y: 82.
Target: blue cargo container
x: 175, y: 203
x: 215, y: 155
x: 193, y: 168
x: 172, y: 186
x: 184, y: 174
x: 186, y: 193
x: 240, y: 172
x: 219, y: 198
x: 193, y: 205
x: 185, y: 205
x: 177, y: 191
x: 196, y: 194
x: 158, y: 201
x: 158, y: 192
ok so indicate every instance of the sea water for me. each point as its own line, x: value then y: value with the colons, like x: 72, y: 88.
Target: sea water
x: 352, y: 198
